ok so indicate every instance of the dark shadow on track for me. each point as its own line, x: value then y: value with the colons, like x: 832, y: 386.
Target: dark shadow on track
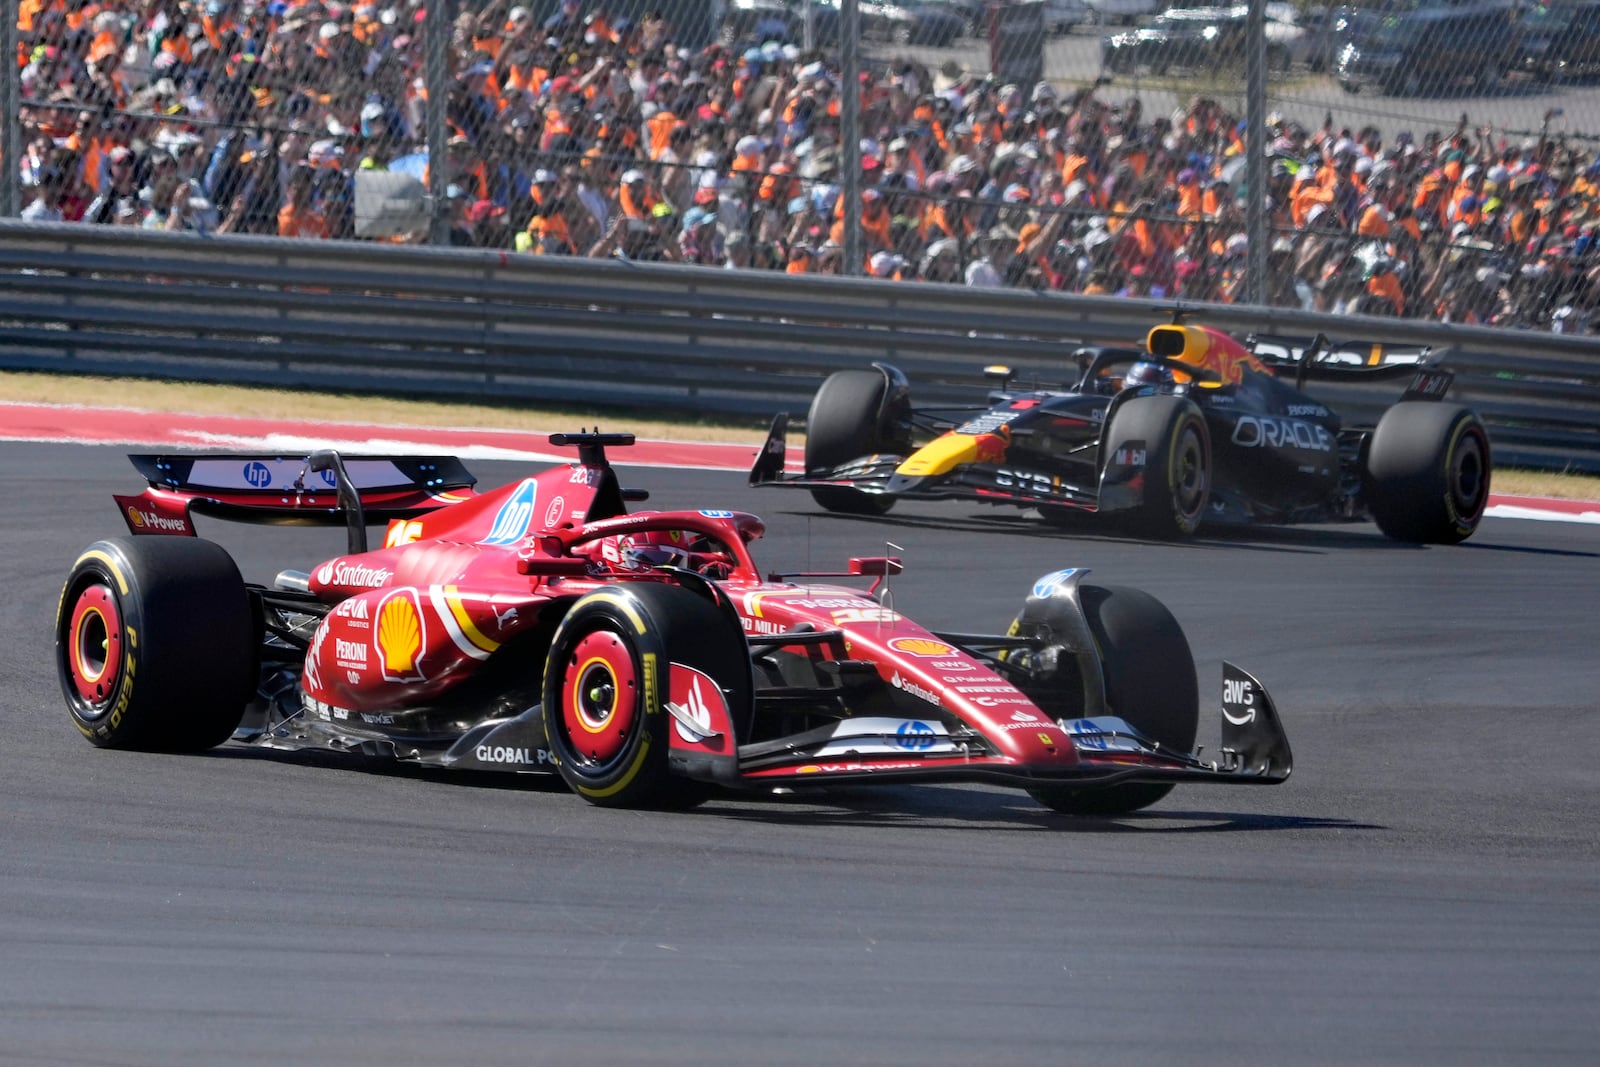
x: 931, y: 807
x: 900, y: 806
x: 1530, y: 550
x: 1284, y: 539
x: 377, y: 765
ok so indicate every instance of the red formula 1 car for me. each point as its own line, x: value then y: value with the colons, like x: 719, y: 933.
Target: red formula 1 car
x: 540, y: 627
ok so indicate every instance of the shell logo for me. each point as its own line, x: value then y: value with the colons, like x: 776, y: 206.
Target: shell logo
x: 920, y: 646
x: 399, y: 637
x: 136, y: 518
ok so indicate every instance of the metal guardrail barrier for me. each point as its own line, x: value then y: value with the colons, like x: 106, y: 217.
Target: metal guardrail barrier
x: 494, y: 326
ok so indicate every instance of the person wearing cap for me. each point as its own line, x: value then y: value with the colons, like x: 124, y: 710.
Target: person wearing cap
x: 885, y: 264
x: 46, y: 205
x: 489, y: 229
x: 118, y: 187
x: 1467, y: 197
x: 561, y: 224
x: 748, y: 155
x: 1016, y: 211
x: 801, y: 259
x: 995, y: 248
x: 1218, y: 195
x: 677, y: 182
x: 699, y: 240
x: 1142, y: 241
x: 638, y: 239
x: 1375, y: 218
x: 566, y: 25
x: 1383, y: 289
x: 736, y: 251
x: 462, y: 230
x: 875, y: 223
x: 256, y: 203
x: 900, y: 159
x: 941, y: 261
x: 1521, y: 215
x: 829, y: 259
x: 964, y: 174
x: 952, y: 216
x: 634, y: 195
x: 1191, y: 197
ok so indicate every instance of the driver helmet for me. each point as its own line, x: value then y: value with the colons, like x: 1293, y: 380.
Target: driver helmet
x: 1147, y: 373
x: 639, y: 551
x: 662, y: 548
x: 657, y: 548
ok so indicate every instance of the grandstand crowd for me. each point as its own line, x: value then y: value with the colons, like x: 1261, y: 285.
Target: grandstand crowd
x: 586, y: 135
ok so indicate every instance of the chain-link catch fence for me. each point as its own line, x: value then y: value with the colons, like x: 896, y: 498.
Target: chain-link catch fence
x: 1423, y: 158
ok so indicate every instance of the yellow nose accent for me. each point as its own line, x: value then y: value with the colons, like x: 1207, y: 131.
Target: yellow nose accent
x: 940, y: 456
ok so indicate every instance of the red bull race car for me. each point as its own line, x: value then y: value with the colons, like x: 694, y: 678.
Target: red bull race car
x: 1195, y: 428
x: 543, y: 628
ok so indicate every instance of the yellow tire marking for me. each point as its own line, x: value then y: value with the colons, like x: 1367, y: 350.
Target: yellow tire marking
x: 622, y: 604
x: 627, y: 777
x: 111, y: 565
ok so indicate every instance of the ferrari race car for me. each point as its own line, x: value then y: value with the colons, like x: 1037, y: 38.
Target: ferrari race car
x: 540, y: 627
x: 1194, y: 428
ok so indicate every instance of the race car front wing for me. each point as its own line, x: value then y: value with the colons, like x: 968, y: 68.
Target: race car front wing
x: 1254, y: 750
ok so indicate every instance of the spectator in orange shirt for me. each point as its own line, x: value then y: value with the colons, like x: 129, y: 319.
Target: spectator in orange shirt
x: 298, y: 218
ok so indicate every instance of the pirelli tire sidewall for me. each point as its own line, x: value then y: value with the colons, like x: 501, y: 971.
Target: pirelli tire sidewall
x: 156, y: 644
x: 1426, y: 472
x: 854, y: 414
x: 1171, y: 433
x: 1150, y: 682
x: 631, y: 770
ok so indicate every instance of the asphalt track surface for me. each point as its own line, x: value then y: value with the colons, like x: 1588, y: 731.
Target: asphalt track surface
x: 1424, y: 889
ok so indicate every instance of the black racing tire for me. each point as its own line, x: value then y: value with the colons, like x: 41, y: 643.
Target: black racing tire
x: 847, y: 421
x: 1177, y: 475
x: 1427, y: 470
x: 606, y: 689
x: 1150, y: 681
x: 156, y: 644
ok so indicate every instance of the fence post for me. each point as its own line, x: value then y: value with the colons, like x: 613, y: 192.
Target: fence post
x: 850, y: 134
x: 1255, y: 160
x: 10, y: 114
x: 439, y: 26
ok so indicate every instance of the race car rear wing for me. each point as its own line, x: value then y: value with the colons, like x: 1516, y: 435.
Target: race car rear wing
x: 1318, y: 357
x: 323, y: 489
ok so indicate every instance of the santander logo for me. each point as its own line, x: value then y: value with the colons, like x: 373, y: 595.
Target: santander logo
x: 353, y: 574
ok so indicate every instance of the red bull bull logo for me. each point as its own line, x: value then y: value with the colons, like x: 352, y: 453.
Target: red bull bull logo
x: 989, y: 448
x: 1204, y: 348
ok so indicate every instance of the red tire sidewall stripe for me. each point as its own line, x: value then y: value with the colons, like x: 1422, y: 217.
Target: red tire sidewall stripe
x: 95, y: 603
